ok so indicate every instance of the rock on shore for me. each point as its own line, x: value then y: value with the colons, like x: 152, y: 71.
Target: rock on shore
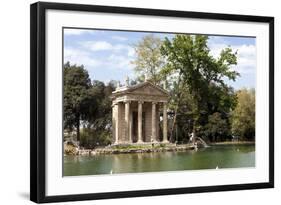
x: 125, y: 149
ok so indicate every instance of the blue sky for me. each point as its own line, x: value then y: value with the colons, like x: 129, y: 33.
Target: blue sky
x: 107, y: 55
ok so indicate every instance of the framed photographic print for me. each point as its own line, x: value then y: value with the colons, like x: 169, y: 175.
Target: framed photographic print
x: 129, y: 102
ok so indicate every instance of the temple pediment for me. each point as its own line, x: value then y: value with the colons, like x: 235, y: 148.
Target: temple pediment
x: 148, y: 88
x: 145, y: 88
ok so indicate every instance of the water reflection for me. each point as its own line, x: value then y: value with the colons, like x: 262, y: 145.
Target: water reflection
x: 214, y: 157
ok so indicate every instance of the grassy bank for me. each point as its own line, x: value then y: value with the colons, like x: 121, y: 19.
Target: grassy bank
x: 233, y: 143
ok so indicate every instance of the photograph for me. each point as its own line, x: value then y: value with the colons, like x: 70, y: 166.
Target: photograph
x: 134, y: 102
x: 143, y: 101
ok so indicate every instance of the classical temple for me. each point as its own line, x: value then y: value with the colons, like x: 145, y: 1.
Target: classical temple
x: 136, y: 113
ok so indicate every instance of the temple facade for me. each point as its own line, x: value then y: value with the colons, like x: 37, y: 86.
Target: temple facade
x: 136, y: 112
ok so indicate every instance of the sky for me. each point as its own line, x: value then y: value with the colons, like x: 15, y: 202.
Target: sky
x: 107, y: 55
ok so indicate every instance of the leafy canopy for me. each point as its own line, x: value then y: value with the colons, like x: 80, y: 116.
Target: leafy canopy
x: 189, y: 59
x: 243, y: 116
x: 149, y: 60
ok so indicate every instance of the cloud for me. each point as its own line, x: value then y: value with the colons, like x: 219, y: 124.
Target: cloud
x: 79, y: 57
x: 76, y: 32
x: 105, y: 67
x: 90, y: 60
x: 119, y: 38
x: 120, y: 62
x: 96, y: 46
x: 246, y: 58
x: 131, y: 52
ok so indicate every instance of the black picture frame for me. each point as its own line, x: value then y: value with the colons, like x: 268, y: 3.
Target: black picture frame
x: 38, y: 101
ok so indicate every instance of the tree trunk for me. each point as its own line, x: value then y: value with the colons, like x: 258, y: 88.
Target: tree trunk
x: 179, y: 96
x: 194, y: 131
x: 214, y: 138
x: 173, y: 126
x: 195, y: 118
x: 78, y: 128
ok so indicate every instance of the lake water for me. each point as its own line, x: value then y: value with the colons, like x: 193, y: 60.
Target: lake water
x: 219, y: 156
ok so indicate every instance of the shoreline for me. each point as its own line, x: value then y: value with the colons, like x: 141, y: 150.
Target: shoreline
x: 127, y: 149
x: 143, y: 148
x: 233, y: 143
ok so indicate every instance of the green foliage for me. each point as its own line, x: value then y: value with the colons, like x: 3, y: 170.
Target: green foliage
x: 91, y: 138
x: 216, y: 128
x: 243, y: 116
x: 88, y: 104
x: 101, y: 114
x: 149, y: 60
x: 202, y: 76
x: 77, y: 100
x: 191, y: 56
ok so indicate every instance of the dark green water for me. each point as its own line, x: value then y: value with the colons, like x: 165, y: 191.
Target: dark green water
x: 221, y: 156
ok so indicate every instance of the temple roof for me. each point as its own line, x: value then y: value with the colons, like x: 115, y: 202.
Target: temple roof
x: 145, y: 88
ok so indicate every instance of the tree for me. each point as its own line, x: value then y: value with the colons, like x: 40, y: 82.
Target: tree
x: 149, y: 60
x: 243, y: 116
x: 76, y: 96
x: 88, y: 104
x: 98, y: 127
x: 221, y: 99
x: 216, y: 127
x: 101, y: 106
x: 181, y: 104
x: 197, y: 69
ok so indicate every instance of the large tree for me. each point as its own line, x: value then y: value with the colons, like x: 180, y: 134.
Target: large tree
x: 243, y: 116
x: 98, y: 126
x: 148, y: 61
x: 77, y: 100
x: 198, y: 70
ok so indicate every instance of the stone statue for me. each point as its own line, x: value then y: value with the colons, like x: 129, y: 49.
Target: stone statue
x: 127, y: 81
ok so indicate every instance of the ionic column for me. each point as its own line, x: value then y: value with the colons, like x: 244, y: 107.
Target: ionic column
x: 131, y: 127
x: 153, y: 124
x: 116, y: 119
x: 165, y: 120
x: 140, y: 121
x: 127, y: 121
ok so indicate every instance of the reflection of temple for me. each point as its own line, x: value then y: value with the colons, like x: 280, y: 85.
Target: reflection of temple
x: 136, y: 113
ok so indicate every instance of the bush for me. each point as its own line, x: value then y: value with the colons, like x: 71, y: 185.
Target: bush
x: 90, y: 138
x: 70, y: 149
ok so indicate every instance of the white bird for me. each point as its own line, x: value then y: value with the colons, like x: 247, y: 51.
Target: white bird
x: 217, y: 167
x: 111, y: 171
